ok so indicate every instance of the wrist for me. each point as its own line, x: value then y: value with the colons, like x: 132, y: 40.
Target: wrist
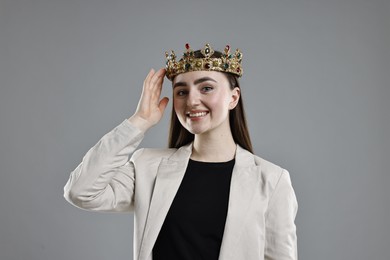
x: 140, y: 123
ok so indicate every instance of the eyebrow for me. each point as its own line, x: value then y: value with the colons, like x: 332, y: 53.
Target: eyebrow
x: 196, y: 82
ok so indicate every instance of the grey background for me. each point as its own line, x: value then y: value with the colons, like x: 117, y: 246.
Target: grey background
x: 316, y: 88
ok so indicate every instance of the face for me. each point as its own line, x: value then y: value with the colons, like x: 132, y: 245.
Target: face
x: 202, y: 101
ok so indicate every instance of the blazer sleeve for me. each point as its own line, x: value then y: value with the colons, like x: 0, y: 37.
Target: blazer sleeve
x: 104, y: 180
x: 281, y: 238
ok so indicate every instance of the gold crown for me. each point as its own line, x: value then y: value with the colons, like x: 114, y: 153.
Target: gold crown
x: 230, y: 63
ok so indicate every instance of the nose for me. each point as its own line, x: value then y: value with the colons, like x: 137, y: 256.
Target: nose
x: 193, y: 99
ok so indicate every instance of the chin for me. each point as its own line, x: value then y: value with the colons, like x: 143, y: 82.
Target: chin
x: 196, y: 131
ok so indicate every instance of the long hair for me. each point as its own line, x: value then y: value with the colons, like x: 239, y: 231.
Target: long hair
x: 179, y: 136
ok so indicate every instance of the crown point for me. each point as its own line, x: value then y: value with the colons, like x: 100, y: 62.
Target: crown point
x: 187, y: 46
x: 227, y: 48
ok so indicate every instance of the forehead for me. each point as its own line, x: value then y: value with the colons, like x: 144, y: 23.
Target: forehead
x: 192, y: 76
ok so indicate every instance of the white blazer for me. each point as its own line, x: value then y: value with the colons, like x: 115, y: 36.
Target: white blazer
x: 112, y: 177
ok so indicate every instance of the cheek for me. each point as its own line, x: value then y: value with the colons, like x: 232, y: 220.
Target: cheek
x: 218, y: 101
x: 177, y: 104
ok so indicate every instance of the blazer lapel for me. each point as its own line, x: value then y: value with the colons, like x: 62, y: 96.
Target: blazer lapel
x: 169, y: 176
x: 245, y: 180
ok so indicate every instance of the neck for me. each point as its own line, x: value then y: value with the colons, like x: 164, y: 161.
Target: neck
x: 208, y: 148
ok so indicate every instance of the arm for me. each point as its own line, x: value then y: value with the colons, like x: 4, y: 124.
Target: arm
x: 281, y: 239
x: 104, y: 180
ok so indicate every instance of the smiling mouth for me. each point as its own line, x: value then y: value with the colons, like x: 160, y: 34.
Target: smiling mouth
x: 197, y: 114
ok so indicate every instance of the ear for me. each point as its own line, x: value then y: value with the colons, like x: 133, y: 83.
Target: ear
x: 235, y: 97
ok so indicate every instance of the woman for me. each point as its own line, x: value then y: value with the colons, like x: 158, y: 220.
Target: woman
x: 207, y: 196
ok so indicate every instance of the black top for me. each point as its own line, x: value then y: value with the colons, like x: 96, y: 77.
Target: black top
x: 193, y: 228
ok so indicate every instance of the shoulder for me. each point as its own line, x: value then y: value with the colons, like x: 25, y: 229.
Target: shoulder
x: 277, y: 183
x: 269, y: 173
x: 147, y: 154
x: 267, y: 166
x: 248, y: 159
x: 157, y: 154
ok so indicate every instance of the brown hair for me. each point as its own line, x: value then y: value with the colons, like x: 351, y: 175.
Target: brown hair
x: 179, y: 136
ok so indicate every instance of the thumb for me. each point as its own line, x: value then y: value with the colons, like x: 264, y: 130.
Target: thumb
x: 163, y: 104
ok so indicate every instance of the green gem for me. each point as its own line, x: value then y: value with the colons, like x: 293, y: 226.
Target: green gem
x: 226, y: 66
x: 188, y: 66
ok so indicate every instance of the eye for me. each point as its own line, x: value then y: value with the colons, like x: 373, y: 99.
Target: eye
x: 181, y: 92
x: 207, y: 88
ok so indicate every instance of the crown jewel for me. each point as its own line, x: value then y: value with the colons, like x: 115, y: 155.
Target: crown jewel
x: 228, y: 62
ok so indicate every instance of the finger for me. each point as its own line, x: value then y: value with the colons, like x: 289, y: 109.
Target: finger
x: 144, y: 95
x: 162, y: 71
x: 159, y: 83
x: 157, y: 77
x: 148, y: 78
x: 156, y: 83
x: 147, y: 92
x: 163, y: 104
x: 150, y: 74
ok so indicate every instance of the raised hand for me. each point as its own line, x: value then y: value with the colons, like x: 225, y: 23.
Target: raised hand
x: 150, y: 107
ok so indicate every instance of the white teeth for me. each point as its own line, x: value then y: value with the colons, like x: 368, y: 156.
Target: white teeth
x: 199, y: 114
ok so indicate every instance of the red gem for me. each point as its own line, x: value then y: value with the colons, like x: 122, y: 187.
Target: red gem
x: 187, y: 46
